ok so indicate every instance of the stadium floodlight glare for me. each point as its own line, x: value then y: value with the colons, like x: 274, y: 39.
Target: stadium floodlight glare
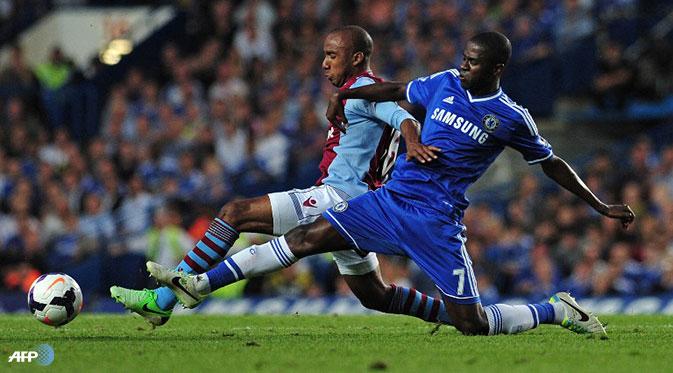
x: 121, y: 46
x: 114, y: 51
x: 109, y: 57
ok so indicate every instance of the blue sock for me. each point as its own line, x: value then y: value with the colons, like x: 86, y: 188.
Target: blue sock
x: 212, y: 247
x: 224, y: 274
x: 543, y: 313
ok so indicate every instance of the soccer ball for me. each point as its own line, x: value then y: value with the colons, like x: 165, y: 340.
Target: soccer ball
x: 55, y: 299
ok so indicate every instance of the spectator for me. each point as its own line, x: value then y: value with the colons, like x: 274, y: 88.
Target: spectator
x: 17, y: 79
x: 135, y: 214
x: 613, y: 82
x: 166, y: 241
x: 53, y: 75
x: 96, y: 224
x: 271, y: 146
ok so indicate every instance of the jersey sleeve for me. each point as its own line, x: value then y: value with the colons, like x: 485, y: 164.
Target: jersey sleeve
x: 525, y: 139
x: 389, y: 112
x: 421, y: 90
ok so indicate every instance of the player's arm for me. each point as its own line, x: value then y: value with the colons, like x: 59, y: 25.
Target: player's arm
x: 558, y: 170
x: 411, y: 131
x: 386, y: 91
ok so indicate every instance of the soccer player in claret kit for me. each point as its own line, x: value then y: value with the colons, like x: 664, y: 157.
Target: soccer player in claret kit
x: 352, y: 163
x: 418, y: 212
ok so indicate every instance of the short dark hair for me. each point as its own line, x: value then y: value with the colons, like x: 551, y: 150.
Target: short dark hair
x: 497, y: 48
x: 361, y: 41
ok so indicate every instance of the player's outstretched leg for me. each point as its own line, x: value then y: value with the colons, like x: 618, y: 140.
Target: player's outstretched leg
x: 251, y: 262
x: 243, y: 215
x: 511, y: 319
x: 143, y: 302
x: 375, y: 294
x: 574, y: 317
x: 212, y: 247
x: 210, y: 250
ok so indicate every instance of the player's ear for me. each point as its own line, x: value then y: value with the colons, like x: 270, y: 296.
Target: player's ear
x: 498, y: 68
x: 358, y: 58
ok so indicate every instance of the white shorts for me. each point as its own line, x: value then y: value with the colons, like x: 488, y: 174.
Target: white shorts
x: 302, y: 206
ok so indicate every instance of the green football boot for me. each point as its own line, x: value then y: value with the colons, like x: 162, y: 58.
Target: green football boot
x: 143, y: 302
x: 577, y: 319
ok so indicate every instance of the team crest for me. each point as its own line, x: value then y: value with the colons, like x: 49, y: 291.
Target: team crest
x: 490, y: 122
x: 340, y: 207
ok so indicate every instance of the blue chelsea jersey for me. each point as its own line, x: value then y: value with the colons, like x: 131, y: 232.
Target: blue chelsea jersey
x: 471, y: 132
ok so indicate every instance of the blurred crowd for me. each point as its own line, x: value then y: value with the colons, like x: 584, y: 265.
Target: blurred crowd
x: 236, y: 107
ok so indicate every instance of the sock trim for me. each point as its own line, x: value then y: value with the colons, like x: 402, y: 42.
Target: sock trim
x: 223, y: 230
x: 536, y: 317
x: 235, y: 268
x: 283, y: 244
x: 226, y: 262
x: 498, y: 320
x: 280, y: 254
x: 225, y: 224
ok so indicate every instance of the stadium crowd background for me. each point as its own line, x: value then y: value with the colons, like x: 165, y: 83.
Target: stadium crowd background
x: 235, y: 108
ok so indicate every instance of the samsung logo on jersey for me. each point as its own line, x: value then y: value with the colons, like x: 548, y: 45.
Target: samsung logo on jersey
x: 459, y: 123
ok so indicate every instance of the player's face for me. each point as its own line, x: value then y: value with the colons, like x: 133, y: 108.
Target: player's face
x: 476, y: 73
x: 338, y: 61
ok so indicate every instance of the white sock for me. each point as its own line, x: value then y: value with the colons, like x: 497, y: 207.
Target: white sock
x: 251, y: 262
x: 269, y: 257
x: 559, y: 312
x: 507, y: 319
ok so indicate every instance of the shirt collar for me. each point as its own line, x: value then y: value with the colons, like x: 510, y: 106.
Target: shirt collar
x: 483, y: 98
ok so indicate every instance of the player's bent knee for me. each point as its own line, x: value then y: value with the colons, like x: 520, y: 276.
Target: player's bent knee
x: 232, y: 212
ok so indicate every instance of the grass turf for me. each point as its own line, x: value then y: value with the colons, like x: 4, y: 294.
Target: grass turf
x: 122, y: 343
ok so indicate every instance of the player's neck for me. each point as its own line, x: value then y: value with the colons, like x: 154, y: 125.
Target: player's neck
x: 359, y: 72
x: 486, y: 90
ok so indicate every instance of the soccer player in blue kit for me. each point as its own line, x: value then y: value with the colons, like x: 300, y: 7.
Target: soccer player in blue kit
x: 417, y: 214
x: 352, y: 163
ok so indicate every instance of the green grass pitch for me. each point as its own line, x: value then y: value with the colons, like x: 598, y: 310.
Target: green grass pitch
x: 122, y: 343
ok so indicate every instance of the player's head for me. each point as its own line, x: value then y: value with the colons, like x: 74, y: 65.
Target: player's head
x: 347, y: 52
x: 484, y: 59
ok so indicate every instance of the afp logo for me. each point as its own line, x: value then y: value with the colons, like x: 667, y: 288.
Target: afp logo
x: 490, y: 122
x: 43, y: 354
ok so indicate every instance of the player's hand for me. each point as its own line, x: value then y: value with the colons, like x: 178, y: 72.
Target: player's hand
x: 421, y: 153
x: 335, y: 113
x: 621, y: 212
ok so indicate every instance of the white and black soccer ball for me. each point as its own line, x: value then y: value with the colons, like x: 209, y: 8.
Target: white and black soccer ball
x: 55, y: 299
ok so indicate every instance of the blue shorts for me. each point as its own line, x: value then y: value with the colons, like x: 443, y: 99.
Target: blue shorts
x: 388, y: 223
